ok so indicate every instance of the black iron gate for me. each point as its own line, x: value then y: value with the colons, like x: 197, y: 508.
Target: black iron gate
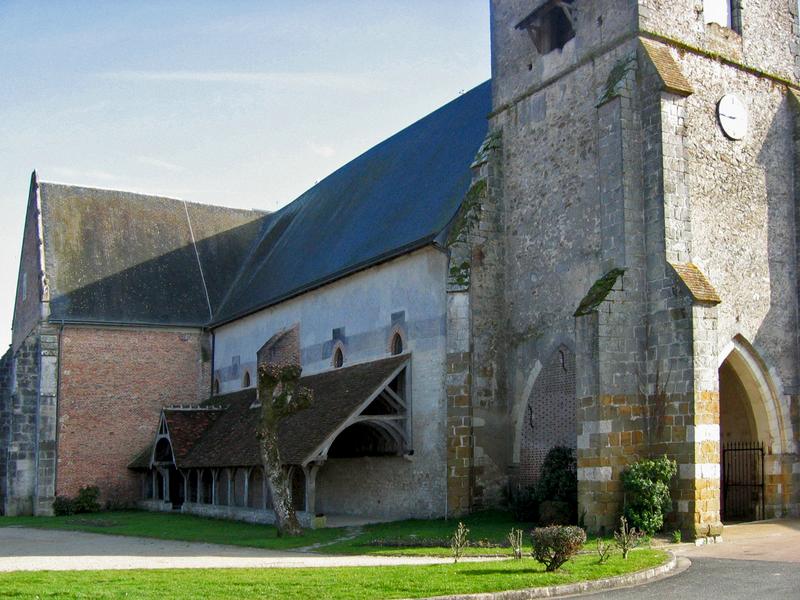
x: 742, y: 481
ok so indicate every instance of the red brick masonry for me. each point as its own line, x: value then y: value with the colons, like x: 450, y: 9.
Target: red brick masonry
x: 113, y: 383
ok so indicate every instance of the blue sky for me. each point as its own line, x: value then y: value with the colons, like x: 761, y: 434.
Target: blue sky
x: 236, y: 103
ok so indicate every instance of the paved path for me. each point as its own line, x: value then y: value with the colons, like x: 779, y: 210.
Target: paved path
x: 24, y: 549
x: 756, y: 561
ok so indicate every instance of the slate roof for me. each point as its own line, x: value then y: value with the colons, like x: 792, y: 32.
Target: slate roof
x: 119, y: 257
x: 394, y: 198
x: 229, y: 438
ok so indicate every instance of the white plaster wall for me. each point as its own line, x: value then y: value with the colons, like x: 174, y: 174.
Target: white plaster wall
x: 363, y: 305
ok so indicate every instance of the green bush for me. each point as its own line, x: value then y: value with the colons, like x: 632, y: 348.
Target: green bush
x: 647, y: 498
x: 556, y: 512
x: 63, y: 506
x: 558, y: 482
x: 553, y: 546
x: 87, y: 500
x: 523, y: 503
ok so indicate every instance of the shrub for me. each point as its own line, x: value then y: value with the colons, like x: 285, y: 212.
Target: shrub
x: 603, y: 550
x: 523, y: 503
x: 87, y: 500
x: 556, y: 512
x: 515, y: 540
x: 647, y: 498
x: 627, y: 538
x: 676, y: 536
x: 459, y: 541
x: 63, y: 506
x: 558, y: 483
x: 553, y: 546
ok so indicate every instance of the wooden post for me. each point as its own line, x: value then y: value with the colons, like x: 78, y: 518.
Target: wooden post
x: 264, y: 488
x: 310, y: 471
x: 214, y: 487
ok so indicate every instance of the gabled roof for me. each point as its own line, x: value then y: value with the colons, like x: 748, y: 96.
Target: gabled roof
x: 119, y: 257
x: 394, y: 198
x: 227, y: 438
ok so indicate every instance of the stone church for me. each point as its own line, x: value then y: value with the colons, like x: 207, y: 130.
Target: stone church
x: 598, y: 248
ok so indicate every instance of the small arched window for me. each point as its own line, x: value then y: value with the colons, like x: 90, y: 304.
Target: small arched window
x: 215, y: 389
x: 246, y: 379
x: 397, y: 344
x: 338, y: 358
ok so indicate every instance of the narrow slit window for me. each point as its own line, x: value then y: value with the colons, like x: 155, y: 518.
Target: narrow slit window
x: 397, y: 344
x: 338, y: 358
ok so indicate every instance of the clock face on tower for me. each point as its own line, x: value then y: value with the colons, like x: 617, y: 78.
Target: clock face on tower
x: 732, y: 114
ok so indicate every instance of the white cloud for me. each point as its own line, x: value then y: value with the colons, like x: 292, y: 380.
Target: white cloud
x: 322, y: 149
x: 352, y: 83
x: 84, y: 175
x: 161, y: 164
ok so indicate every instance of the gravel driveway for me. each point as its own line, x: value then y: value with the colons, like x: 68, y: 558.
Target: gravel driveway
x: 24, y: 549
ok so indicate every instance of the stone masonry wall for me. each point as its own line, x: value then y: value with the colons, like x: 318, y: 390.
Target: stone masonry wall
x: 21, y: 465
x: 766, y: 40
x: 6, y: 374
x: 28, y: 298
x: 114, y: 383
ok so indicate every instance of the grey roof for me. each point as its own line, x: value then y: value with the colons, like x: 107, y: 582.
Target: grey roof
x: 394, y: 198
x: 119, y: 257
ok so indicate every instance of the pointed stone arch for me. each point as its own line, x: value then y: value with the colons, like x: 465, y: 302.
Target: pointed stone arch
x: 752, y: 404
x: 547, y: 415
x: 770, y: 415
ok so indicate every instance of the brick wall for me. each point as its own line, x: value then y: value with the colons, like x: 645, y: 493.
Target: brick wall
x: 113, y: 385
x: 550, y: 416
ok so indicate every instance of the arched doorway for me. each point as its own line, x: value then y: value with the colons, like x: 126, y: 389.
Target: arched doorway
x: 741, y: 451
x: 755, y: 436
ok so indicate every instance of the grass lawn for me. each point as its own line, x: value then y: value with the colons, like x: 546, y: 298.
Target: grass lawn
x: 418, y: 537
x: 492, y: 526
x: 340, y: 583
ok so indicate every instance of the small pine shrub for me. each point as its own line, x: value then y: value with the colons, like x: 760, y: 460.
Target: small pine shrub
x: 647, y: 497
x: 553, y: 546
x: 63, y: 506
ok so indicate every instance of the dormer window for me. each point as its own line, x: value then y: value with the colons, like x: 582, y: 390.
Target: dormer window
x: 551, y: 25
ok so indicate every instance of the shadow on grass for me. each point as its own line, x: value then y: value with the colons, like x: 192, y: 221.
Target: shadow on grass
x: 480, y: 572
